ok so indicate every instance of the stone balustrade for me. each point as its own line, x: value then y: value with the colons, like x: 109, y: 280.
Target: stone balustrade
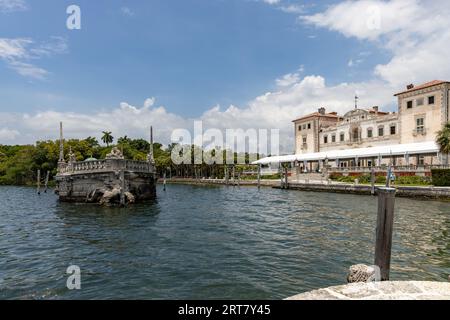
x: 106, y: 165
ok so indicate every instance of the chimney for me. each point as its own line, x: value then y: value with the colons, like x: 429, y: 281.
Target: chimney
x: 322, y: 110
x: 410, y: 86
x: 375, y: 108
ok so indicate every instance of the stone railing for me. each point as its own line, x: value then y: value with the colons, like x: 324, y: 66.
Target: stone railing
x: 107, y: 165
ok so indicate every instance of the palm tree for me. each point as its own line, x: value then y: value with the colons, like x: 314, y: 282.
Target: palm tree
x: 443, y: 140
x: 107, y: 138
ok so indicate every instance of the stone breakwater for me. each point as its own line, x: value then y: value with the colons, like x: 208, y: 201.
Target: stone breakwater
x: 389, y: 290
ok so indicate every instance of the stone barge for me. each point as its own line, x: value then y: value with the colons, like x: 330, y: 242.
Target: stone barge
x: 113, y: 180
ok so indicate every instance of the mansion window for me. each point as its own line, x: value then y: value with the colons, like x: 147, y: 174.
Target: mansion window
x: 420, y: 125
x: 325, y: 139
x: 304, y: 140
x: 393, y: 130
x: 300, y: 128
x: 431, y: 100
x: 419, y: 102
x: 342, y: 137
x: 369, y: 133
x: 381, y: 131
x: 309, y: 125
x: 333, y: 138
x: 304, y: 127
x: 409, y: 104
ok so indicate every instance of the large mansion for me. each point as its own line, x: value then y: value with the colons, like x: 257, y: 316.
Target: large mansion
x: 422, y: 112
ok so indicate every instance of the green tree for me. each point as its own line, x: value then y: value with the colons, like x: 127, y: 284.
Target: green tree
x: 443, y: 140
x: 107, y: 138
x: 123, y: 140
x: 92, y: 142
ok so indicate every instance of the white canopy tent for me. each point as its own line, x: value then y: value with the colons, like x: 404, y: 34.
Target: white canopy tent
x: 373, y: 152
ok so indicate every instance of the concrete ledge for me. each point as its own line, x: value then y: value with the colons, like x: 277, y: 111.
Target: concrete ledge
x: 433, y: 193
x: 264, y: 183
x: 388, y: 290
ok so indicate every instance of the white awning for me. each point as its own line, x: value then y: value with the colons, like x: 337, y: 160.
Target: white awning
x: 373, y: 152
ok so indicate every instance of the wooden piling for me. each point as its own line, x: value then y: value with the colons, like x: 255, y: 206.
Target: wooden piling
x: 259, y: 176
x: 372, y: 181
x: 46, y: 181
x: 164, y: 182
x: 286, y: 182
x: 234, y: 175
x: 226, y: 175
x: 39, y: 181
x: 385, y: 222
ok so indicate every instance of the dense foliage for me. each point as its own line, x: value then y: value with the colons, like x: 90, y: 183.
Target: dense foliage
x: 441, y: 177
x: 443, y: 139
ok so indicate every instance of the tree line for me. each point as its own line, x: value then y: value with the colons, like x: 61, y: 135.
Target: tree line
x: 19, y: 163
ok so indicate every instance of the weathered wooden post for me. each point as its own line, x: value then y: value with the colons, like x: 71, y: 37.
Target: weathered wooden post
x: 372, y: 181
x: 385, y: 222
x: 239, y: 178
x: 280, y: 170
x: 226, y: 175
x: 164, y: 182
x: 286, y: 182
x: 38, y: 181
x: 234, y: 175
x: 46, y: 181
x: 259, y: 176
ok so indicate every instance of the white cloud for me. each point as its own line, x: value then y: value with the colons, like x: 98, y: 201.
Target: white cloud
x: 127, y: 11
x: 12, y: 5
x: 28, y: 70
x: 17, y: 54
x: 13, y: 48
x: 8, y: 135
x: 419, y: 45
x: 354, y: 62
x: 288, y: 80
x: 293, y: 8
x: 271, y: 1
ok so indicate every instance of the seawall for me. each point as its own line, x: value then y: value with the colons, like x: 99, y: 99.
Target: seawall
x: 425, y: 192
x: 416, y: 192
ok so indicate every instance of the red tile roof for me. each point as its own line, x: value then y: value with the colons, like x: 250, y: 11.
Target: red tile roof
x: 423, y: 86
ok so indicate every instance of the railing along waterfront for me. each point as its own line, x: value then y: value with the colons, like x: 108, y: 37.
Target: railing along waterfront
x: 410, y: 168
x: 106, y: 165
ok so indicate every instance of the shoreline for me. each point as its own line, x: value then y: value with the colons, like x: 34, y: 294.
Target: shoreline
x: 414, y: 192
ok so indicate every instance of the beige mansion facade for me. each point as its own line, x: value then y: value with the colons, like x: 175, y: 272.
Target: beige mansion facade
x: 422, y: 112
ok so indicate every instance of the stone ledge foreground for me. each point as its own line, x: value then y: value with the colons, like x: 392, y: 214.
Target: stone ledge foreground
x: 388, y: 290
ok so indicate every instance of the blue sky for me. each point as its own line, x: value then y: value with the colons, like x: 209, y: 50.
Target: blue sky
x: 190, y: 55
x: 242, y: 63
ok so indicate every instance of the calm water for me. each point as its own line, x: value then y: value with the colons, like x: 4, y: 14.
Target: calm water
x: 208, y: 242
